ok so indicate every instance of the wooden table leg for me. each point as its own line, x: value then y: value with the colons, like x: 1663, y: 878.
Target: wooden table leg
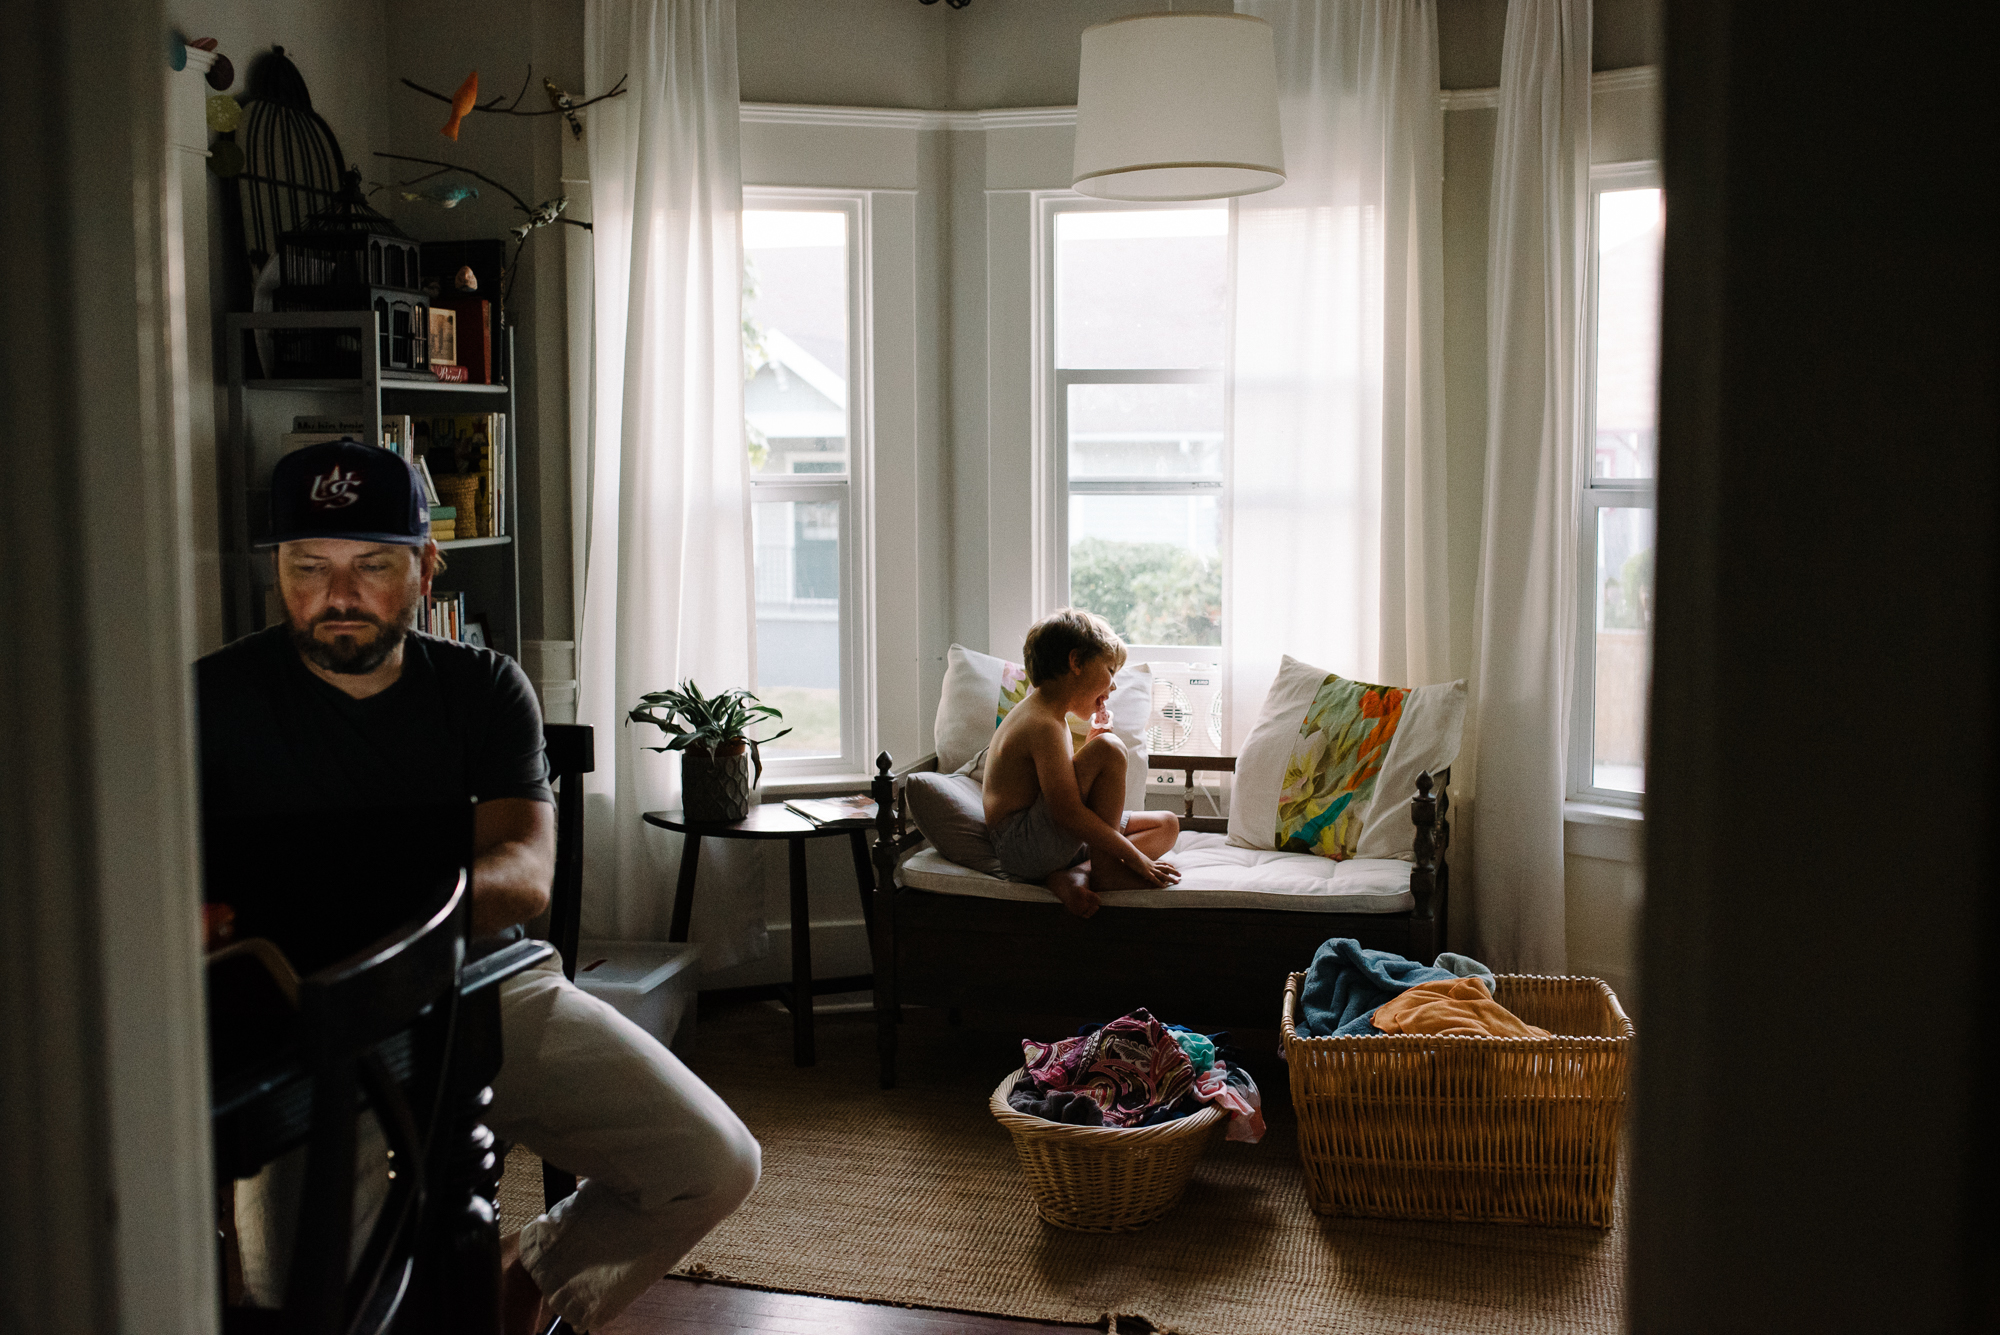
x: 802, y: 963
x: 684, y: 889
x: 864, y: 878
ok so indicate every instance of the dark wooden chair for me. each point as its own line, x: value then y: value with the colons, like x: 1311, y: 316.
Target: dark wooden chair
x: 572, y: 753
x: 402, y: 1027
x: 458, y: 1270
x: 1220, y: 968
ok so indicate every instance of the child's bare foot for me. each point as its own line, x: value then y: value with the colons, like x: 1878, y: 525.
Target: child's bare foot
x: 1072, y: 886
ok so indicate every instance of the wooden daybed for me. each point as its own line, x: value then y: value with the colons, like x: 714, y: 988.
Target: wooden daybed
x: 999, y: 945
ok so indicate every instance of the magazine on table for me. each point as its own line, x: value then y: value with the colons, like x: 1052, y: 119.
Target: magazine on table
x: 855, y: 811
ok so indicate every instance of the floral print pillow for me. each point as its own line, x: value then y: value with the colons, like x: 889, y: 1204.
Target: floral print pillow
x: 1334, y: 762
x: 1013, y: 690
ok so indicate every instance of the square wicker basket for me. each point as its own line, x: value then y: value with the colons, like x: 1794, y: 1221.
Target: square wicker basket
x: 1504, y: 1130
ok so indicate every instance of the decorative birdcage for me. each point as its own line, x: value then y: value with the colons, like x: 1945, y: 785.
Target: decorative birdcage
x: 348, y: 257
x: 291, y: 158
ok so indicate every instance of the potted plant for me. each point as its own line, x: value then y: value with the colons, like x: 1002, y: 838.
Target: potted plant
x: 712, y: 733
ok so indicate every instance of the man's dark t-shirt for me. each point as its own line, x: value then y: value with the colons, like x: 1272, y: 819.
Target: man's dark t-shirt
x: 325, y: 814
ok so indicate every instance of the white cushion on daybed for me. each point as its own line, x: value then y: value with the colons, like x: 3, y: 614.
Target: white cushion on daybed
x: 1214, y: 875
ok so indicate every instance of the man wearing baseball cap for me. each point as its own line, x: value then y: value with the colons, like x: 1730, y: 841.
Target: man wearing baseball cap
x: 344, y: 720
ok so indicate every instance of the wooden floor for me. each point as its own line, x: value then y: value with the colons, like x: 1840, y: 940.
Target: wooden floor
x: 690, y: 1307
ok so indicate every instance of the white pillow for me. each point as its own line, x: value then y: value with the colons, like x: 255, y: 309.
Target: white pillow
x: 979, y: 689
x: 1426, y: 737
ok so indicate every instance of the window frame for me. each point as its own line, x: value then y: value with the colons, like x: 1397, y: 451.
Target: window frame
x: 851, y: 490
x: 1594, y: 496
x: 1054, y: 488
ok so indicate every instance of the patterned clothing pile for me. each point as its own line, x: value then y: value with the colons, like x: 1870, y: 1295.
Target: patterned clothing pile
x: 1135, y: 1071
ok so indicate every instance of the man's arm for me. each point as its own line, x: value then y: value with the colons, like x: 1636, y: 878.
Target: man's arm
x: 514, y: 862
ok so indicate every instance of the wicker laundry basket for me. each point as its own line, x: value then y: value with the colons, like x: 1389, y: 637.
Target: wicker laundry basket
x: 1105, y: 1179
x: 1506, y: 1130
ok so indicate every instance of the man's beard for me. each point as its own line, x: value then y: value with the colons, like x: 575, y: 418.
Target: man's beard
x: 345, y: 654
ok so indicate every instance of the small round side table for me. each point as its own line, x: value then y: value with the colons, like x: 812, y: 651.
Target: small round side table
x: 773, y: 820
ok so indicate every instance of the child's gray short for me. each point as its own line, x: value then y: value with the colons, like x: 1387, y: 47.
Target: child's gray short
x: 1032, y: 847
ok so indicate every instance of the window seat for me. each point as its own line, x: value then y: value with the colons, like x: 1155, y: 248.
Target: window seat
x: 1214, y: 875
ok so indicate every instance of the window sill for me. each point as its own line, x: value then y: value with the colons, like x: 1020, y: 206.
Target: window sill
x: 813, y: 785
x: 1599, y: 830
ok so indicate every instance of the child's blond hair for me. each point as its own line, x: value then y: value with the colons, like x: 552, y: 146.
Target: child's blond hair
x: 1054, y: 638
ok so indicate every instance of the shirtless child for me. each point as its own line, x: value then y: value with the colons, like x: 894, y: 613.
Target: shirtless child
x: 1060, y: 818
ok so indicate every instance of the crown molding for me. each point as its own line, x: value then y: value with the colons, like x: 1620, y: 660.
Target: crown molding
x: 1605, y: 81
x: 1024, y: 118
x: 1036, y: 118
x: 886, y: 118
x: 1620, y: 81
x: 861, y: 118
x: 1468, y: 99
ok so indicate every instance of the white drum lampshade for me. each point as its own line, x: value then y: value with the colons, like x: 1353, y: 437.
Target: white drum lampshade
x: 1178, y: 106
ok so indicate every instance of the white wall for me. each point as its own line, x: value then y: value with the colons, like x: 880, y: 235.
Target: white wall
x: 106, y: 1199
x: 896, y: 53
x: 858, y: 53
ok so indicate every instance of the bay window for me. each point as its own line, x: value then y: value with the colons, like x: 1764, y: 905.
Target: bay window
x: 802, y: 424
x: 1135, y: 341
x: 1616, y: 477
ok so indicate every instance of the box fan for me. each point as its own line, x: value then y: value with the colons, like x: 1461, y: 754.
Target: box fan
x: 1186, y: 717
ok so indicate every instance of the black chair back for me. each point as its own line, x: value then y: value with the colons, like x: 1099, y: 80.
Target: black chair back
x: 572, y: 753
x: 405, y: 983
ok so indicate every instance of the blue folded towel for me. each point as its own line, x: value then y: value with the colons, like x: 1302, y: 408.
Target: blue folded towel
x: 1345, y: 984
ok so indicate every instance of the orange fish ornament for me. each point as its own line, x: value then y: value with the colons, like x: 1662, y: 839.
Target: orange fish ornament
x: 461, y: 104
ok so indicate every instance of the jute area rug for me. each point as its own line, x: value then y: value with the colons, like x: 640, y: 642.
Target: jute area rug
x: 913, y: 1196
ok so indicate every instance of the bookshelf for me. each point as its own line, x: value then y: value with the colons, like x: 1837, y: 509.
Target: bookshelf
x: 486, y: 570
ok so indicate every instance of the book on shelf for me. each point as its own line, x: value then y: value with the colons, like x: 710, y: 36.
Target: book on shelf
x: 443, y: 615
x: 473, y: 319
x: 311, y: 429
x: 444, y: 337
x: 469, y: 446
x: 398, y: 434
x: 450, y: 375
x: 824, y: 811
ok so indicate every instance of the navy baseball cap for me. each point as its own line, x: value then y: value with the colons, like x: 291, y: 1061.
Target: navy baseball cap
x: 344, y: 489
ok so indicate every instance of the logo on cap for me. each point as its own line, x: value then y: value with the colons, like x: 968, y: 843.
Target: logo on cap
x: 334, y: 489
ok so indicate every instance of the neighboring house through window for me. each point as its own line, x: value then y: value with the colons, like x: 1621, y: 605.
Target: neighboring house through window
x: 1135, y: 340
x: 1616, y: 475
x: 801, y: 346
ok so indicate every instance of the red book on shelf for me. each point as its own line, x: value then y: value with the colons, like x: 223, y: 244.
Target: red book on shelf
x: 456, y: 375
x: 475, y: 336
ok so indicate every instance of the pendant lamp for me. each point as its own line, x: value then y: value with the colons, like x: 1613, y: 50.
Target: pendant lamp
x: 1178, y: 106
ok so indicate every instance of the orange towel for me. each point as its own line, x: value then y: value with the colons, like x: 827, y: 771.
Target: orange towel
x: 1461, y: 1006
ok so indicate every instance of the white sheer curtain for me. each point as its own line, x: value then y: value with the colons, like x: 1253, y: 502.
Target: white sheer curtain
x: 1336, y: 548
x: 1519, y: 707
x: 666, y: 546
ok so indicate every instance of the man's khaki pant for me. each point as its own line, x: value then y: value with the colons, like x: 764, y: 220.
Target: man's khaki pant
x: 662, y: 1159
